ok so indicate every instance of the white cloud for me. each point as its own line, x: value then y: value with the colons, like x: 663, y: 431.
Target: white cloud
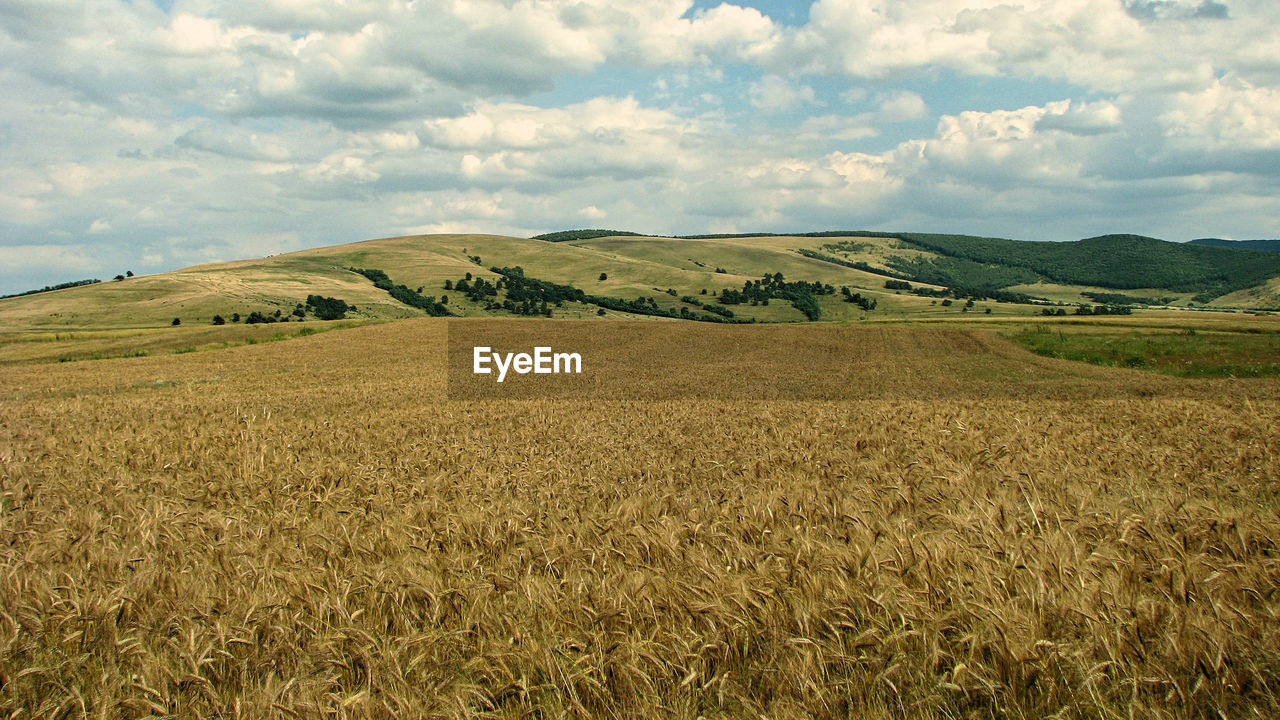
x: 901, y: 105
x: 1097, y: 44
x: 513, y: 126
x: 341, y: 167
x: 1082, y: 118
x: 234, y: 142
x: 776, y: 94
x: 483, y: 206
x: 1229, y: 115
x: 997, y: 149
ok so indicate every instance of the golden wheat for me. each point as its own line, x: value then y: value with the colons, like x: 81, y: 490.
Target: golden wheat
x: 313, y: 528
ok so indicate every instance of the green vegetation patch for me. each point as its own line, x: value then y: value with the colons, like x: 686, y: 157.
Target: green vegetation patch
x: 959, y: 272
x: 327, y: 308
x: 1183, y: 353
x: 1116, y: 261
x: 402, y: 293
x: 800, y: 294
x: 1123, y: 299
x: 527, y: 295
x: 567, y: 235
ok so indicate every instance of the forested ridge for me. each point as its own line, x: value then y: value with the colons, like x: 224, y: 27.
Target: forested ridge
x: 1272, y: 245
x: 1115, y: 261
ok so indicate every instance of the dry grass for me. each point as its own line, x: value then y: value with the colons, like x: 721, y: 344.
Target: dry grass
x: 310, y: 529
x: 32, y: 347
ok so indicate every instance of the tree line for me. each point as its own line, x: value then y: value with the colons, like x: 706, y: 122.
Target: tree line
x: 402, y: 293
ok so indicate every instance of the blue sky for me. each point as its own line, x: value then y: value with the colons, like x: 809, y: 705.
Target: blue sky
x: 146, y: 136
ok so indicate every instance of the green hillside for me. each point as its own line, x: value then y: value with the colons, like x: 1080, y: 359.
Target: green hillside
x: 830, y: 276
x: 1114, y: 261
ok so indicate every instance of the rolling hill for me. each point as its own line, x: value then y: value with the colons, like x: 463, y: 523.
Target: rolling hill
x: 612, y: 274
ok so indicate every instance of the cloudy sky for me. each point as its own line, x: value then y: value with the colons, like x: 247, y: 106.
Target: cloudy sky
x: 154, y: 134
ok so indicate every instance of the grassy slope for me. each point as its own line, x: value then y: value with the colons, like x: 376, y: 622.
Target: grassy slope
x: 750, y: 258
x: 636, y: 266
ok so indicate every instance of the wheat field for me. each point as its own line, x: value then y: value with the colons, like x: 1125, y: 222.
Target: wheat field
x: 940, y: 526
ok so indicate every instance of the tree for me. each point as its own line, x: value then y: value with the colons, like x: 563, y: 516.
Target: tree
x: 177, y: 321
x: 118, y: 278
x: 604, y: 276
x: 235, y: 317
x: 128, y: 273
x: 328, y: 308
x: 219, y: 320
x: 600, y: 312
x: 448, y: 284
x: 444, y: 299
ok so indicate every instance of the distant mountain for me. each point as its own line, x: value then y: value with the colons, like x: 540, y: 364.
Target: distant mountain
x: 1273, y: 245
